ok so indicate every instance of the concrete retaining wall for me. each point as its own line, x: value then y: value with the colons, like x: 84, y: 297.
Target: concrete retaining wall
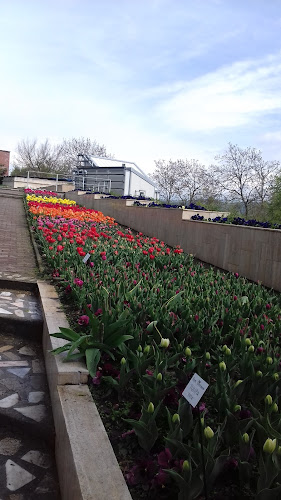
x: 252, y: 252
x: 86, y: 464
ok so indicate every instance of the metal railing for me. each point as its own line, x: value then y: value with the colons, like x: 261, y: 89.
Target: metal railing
x: 88, y: 183
x: 34, y: 174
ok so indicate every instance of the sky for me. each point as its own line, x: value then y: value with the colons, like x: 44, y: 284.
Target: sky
x: 149, y: 79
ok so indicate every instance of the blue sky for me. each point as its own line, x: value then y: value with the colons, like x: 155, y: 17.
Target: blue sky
x: 149, y: 79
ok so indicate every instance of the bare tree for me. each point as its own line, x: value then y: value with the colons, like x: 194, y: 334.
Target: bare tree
x: 166, y: 178
x: 184, y: 180
x: 192, y: 179
x: 42, y: 157
x: 60, y: 158
x: 244, y: 176
x: 72, y: 147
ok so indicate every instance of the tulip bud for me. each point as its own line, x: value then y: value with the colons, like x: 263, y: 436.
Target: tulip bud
x: 150, y: 408
x: 176, y: 418
x: 146, y: 349
x: 123, y: 361
x: 208, y: 433
x: 248, y: 341
x: 238, y: 383
x: 187, y: 352
x: 164, y: 343
x: 207, y: 355
x: 227, y: 351
x: 159, y: 377
x: 279, y: 450
x: 269, y: 446
x: 269, y: 360
x: 275, y: 376
x: 224, y: 347
x: 222, y: 366
x: 258, y: 373
x: 186, y: 466
x: 237, y: 408
x: 139, y: 348
x: 268, y: 400
x: 251, y: 348
x: 246, y: 438
x: 274, y: 408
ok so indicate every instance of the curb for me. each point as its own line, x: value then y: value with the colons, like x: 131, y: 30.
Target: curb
x: 86, y: 463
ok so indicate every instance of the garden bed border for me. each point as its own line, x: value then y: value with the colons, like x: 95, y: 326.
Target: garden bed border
x: 86, y: 463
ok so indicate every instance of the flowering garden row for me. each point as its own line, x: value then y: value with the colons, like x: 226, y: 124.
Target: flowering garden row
x: 147, y: 318
x: 238, y: 221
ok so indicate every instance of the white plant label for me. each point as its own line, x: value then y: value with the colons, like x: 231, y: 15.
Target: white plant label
x: 195, y: 390
x: 87, y: 256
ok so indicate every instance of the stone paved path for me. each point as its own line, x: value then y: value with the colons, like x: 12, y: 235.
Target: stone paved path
x: 27, y: 463
x: 16, y: 253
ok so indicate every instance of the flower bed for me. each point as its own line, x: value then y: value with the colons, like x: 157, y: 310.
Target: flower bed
x: 147, y: 317
x: 191, y: 206
x: 42, y: 192
x: 238, y: 221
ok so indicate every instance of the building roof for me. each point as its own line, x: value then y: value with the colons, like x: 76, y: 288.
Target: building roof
x: 101, y: 161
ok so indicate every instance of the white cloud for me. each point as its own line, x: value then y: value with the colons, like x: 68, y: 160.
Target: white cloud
x: 231, y: 96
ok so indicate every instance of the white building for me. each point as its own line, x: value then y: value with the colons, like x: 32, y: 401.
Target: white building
x: 123, y: 178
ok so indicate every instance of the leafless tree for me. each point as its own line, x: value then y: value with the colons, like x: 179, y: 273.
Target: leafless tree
x: 72, y: 147
x: 166, y: 178
x: 183, y: 180
x: 244, y: 176
x: 192, y: 179
x: 42, y: 157
x: 46, y: 157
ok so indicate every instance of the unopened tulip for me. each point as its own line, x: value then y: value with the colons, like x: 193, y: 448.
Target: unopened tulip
x: 268, y: 400
x: 208, y: 433
x: 164, y: 343
x: 187, y: 352
x: 150, y: 408
x: 246, y: 438
x: 176, y: 418
x: 238, y: 383
x: 269, y: 446
x: 186, y: 466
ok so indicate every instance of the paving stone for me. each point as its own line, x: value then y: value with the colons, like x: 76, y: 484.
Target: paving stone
x: 11, y: 383
x: 36, y: 413
x: 6, y: 348
x: 17, y: 496
x: 19, y: 313
x: 17, y: 476
x: 5, y: 294
x: 36, y: 396
x: 19, y: 372
x: 27, y: 351
x: 46, y: 485
x: 37, y: 458
x: 12, y: 356
x: 3, y: 311
x: 9, y: 446
x: 6, y: 364
x: 37, y: 366
x: 9, y: 401
x: 37, y: 382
